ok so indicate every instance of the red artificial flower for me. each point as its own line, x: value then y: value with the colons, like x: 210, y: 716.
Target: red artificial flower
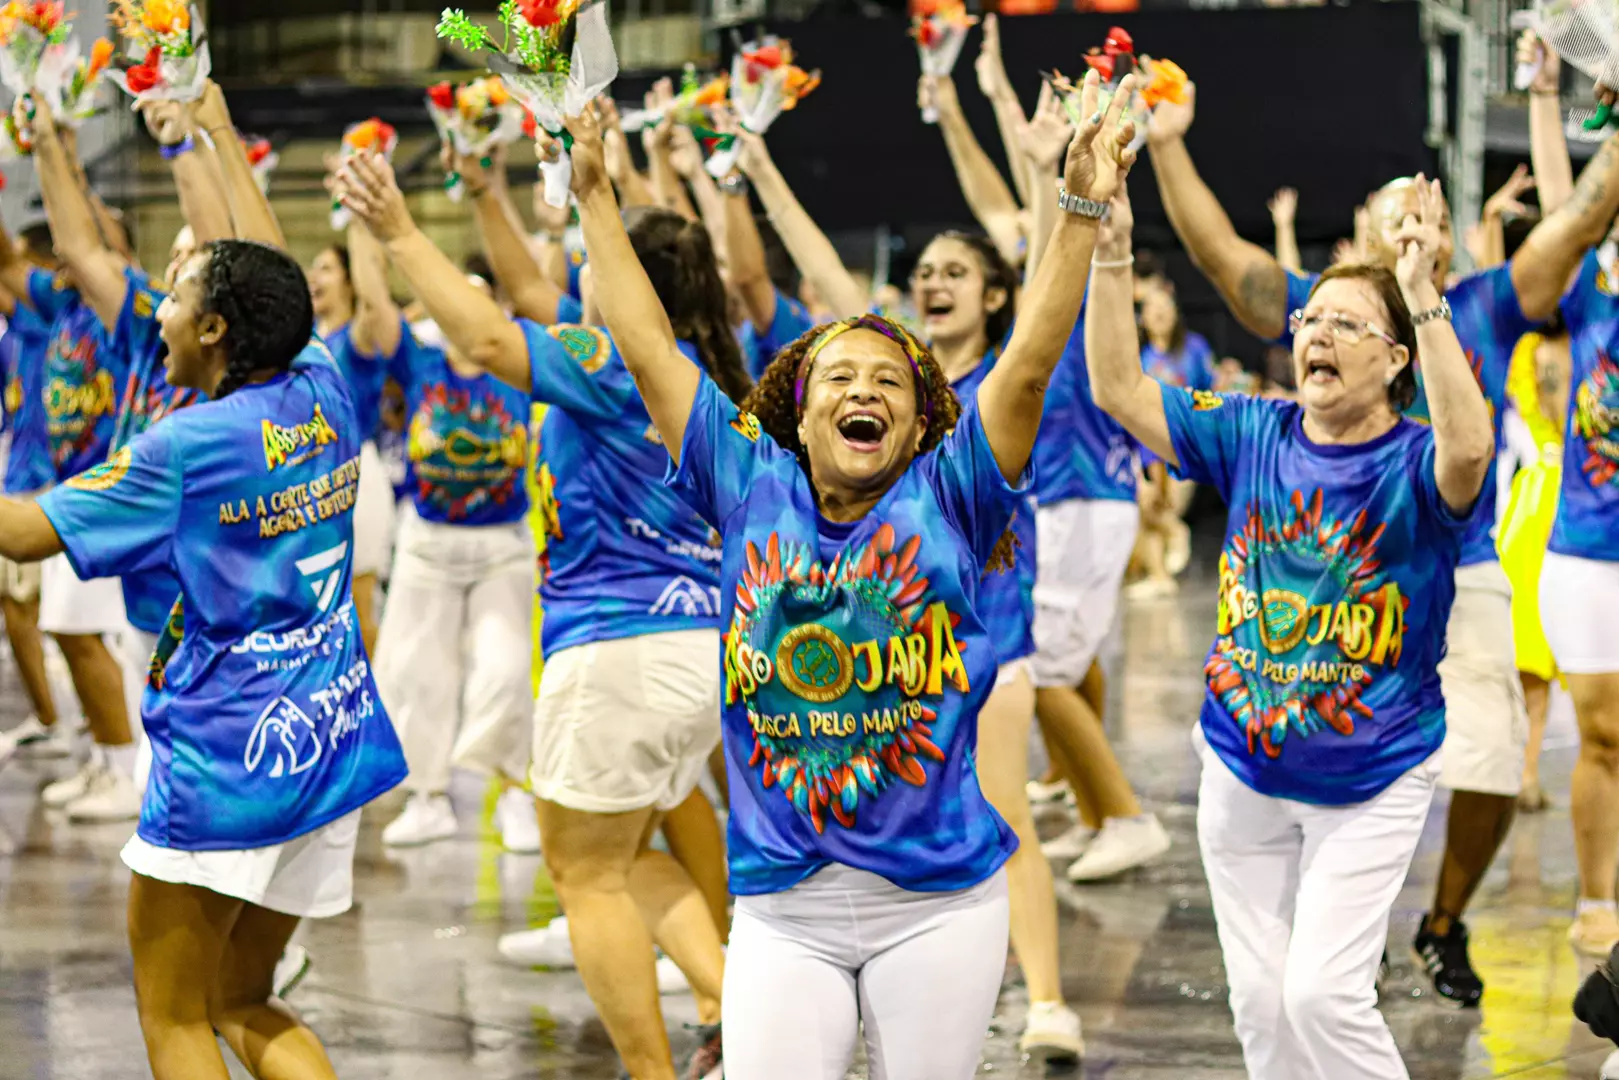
x: 257, y: 150
x: 540, y: 13
x: 927, y: 34
x: 768, y: 56
x: 1119, y: 41
x: 145, y: 75
x: 531, y: 126
x: 924, y: 8
x: 442, y: 96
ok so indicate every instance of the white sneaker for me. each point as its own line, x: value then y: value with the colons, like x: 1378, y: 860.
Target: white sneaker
x: 1178, y: 548
x: 517, y: 822
x: 111, y: 796
x: 545, y: 946
x: 290, y: 970
x: 671, y: 980
x: 1052, y: 1032
x: 1070, y: 844
x: 1610, y: 1068
x: 72, y: 788
x: 426, y: 818
x: 1123, y: 844
x: 58, y: 740
x: 33, y: 739
x: 1040, y: 792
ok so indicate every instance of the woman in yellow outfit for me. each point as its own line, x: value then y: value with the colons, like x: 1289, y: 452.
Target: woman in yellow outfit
x: 1538, y: 384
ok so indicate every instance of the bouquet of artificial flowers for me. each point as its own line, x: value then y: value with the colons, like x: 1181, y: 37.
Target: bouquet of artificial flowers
x: 689, y: 107
x: 71, y: 83
x: 27, y: 32
x: 764, y: 83
x: 1157, y: 81
x: 474, y: 119
x: 166, y: 41
x: 262, y: 159
x: 368, y: 136
x: 940, y: 29
x: 551, y: 80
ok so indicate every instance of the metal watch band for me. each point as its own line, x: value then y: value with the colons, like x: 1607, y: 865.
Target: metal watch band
x: 1440, y: 312
x: 734, y: 184
x: 1074, y: 204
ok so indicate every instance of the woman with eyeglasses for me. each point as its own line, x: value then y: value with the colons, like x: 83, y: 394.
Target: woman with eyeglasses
x: 1322, y: 716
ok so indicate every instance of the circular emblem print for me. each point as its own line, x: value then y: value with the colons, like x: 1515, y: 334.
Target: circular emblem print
x: 814, y: 663
x: 1284, y: 619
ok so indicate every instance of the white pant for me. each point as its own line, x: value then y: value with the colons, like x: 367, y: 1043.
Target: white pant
x: 373, y: 513
x: 807, y: 968
x: 1083, y: 551
x: 453, y: 651
x: 1577, y: 600
x: 1301, y: 900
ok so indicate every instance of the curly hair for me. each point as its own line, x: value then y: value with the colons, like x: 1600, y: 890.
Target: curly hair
x: 998, y: 274
x: 774, y: 403
x: 678, y: 258
x: 260, y: 293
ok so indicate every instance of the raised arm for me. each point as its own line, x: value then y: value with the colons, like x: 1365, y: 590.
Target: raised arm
x: 376, y: 329
x: 251, y: 215
x: 546, y: 245
x: 1549, y: 257
x: 1042, y: 144
x: 1507, y: 201
x: 812, y: 252
x: 686, y: 156
x: 13, y: 268
x: 634, y: 316
x: 1251, y: 281
x: 1012, y: 396
x: 997, y: 87
x: 1284, y: 206
x: 97, y: 270
x: 1463, y: 437
x: 655, y: 140
x: 469, y: 319
x: 196, y: 172
x: 1548, y: 146
x: 1112, y: 349
x: 533, y: 295
x: 987, y: 195
x: 745, y: 255
x: 633, y: 188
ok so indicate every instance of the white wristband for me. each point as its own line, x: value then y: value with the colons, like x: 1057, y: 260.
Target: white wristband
x: 1117, y: 264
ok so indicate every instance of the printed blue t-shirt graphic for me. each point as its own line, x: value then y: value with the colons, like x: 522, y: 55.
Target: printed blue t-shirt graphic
x: 22, y: 354
x: 856, y: 660
x: 262, y: 712
x: 83, y: 377
x: 1587, y: 523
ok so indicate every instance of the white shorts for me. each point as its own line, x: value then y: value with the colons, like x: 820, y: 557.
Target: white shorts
x: 311, y: 877
x: 1084, y: 550
x: 70, y: 606
x: 626, y: 724
x: 373, y: 514
x: 1577, y: 600
x: 135, y: 648
x: 1486, y: 722
x: 1008, y: 673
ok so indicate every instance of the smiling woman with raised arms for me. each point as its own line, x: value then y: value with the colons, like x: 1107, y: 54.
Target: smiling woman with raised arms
x: 1323, y: 715
x: 859, y: 505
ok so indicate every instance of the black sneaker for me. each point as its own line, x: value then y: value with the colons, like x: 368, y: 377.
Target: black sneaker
x: 1445, y: 961
x: 708, y: 1063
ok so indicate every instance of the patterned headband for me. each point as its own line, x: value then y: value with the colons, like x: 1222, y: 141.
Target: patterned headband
x: 888, y: 329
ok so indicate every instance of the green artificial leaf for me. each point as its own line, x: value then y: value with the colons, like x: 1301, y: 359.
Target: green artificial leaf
x: 454, y: 26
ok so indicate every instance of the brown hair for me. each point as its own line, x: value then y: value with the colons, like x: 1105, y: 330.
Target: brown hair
x: 1403, y: 390
x: 773, y: 401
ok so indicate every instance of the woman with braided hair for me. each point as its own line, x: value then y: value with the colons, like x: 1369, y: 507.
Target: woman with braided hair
x: 859, y: 505
x: 628, y: 709
x: 266, y: 731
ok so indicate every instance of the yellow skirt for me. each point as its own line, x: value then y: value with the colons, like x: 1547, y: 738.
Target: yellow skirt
x: 1525, y: 530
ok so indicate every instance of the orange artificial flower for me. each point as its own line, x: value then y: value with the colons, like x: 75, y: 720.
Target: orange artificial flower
x: 100, y: 57
x: 713, y: 92
x: 1167, y: 82
x: 166, y: 16
x: 799, y: 84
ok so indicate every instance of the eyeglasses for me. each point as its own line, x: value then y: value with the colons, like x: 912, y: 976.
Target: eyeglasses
x: 1346, y: 328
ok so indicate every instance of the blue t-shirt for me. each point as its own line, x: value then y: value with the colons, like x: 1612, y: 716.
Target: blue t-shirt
x: 1006, y: 595
x: 22, y: 353
x: 1081, y: 451
x: 147, y: 398
x: 1587, y: 524
x: 264, y: 719
x: 790, y: 322
x: 1191, y: 369
x: 624, y: 556
x: 466, y: 442
x: 1336, y: 581
x: 366, y: 374
x: 83, y: 378
x: 569, y: 311
x: 856, y: 661
x: 1489, y: 320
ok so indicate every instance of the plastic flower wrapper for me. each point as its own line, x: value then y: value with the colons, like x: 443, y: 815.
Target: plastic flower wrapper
x: 940, y: 29
x: 368, y: 136
x: 689, y: 107
x: 1112, y: 62
x: 552, y: 79
x: 764, y: 84
x: 166, y: 41
x: 262, y: 159
x: 72, y: 84
x: 474, y: 119
x: 29, y: 29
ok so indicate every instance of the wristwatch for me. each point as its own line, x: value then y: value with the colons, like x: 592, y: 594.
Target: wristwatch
x: 1418, y: 318
x: 1073, y: 204
x: 733, y: 184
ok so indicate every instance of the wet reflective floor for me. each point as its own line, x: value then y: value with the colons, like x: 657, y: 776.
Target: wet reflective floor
x: 408, y: 986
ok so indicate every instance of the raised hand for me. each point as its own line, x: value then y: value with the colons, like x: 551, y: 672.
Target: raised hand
x: 991, y: 69
x: 655, y: 137
x: 938, y: 92
x: 1417, y: 242
x: 168, y: 121
x: 1045, y: 136
x: 367, y: 187
x: 1171, y: 121
x: 1507, y: 202
x: 1284, y: 207
x: 754, y: 154
x: 1113, y: 239
x: 1532, y: 51
x: 1100, y: 157
x: 614, y: 144
x: 589, y: 153
x: 685, y: 152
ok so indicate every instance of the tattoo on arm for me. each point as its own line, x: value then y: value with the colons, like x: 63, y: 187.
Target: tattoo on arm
x: 1592, y: 189
x: 1262, y: 293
